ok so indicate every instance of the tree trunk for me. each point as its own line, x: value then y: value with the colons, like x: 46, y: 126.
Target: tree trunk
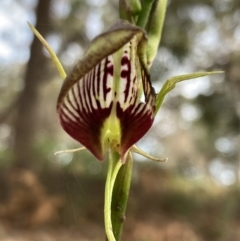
x: 36, y: 71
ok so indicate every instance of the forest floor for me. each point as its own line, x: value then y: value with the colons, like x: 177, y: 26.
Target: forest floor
x: 65, y: 207
x: 142, y: 231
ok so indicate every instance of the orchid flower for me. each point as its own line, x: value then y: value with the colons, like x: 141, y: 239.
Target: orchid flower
x: 100, y: 103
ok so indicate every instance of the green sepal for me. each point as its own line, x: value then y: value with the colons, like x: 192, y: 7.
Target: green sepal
x: 171, y: 83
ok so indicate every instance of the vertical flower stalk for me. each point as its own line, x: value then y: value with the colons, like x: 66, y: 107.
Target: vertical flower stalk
x: 100, y: 102
x: 112, y: 231
x: 120, y: 196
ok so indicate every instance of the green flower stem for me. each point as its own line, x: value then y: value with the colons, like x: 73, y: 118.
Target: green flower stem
x: 155, y: 26
x: 124, y: 12
x: 113, y: 169
x: 120, y: 196
x: 50, y: 51
x: 129, y: 9
x: 144, y: 16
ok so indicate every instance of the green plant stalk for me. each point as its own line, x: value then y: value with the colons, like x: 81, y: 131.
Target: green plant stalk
x: 120, y: 196
x: 113, y: 169
x: 129, y: 9
x: 144, y: 16
x: 155, y: 27
x: 123, y: 11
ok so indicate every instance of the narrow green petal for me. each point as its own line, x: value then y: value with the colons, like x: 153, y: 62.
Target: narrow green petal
x: 171, y: 83
x: 50, y: 51
x: 137, y: 150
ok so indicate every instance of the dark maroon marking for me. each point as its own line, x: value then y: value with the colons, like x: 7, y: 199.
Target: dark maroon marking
x: 98, y: 75
x: 80, y: 85
x: 108, y: 70
x: 97, y: 79
x: 75, y: 98
x: 85, y: 92
x: 87, y: 128
x: 93, y: 78
x: 133, y: 90
x: 72, y: 123
x: 148, y: 90
x: 125, y: 60
x: 70, y: 102
x: 126, y: 74
x: 88, y: 92
x: 70, y: 112
x: 91, y: 86
x: 135, y: 110
x: 133, y: 126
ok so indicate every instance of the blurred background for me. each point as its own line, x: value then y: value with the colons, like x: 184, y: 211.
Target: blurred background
x: 195, y: 196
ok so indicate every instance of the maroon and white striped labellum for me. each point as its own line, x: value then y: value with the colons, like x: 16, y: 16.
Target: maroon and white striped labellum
x: 99, y: 104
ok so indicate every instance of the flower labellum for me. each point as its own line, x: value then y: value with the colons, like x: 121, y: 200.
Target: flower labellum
x: 99, y: 103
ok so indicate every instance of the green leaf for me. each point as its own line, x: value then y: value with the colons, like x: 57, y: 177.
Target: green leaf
x: 171, y: 83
